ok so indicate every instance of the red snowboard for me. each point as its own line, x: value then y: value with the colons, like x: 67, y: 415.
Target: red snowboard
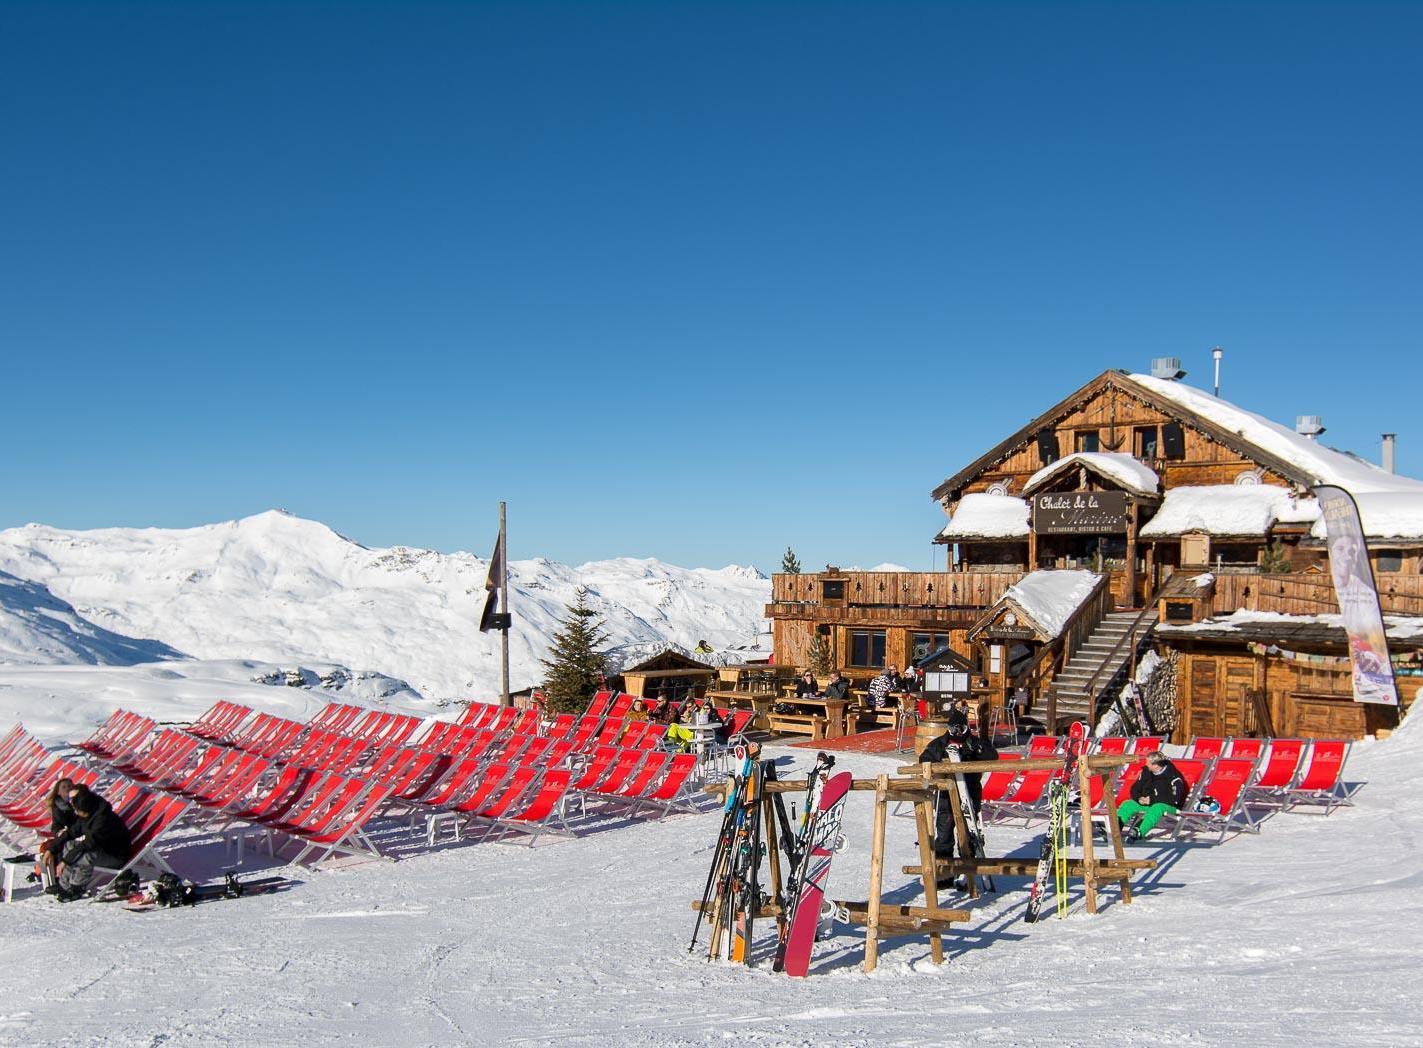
x: 824, y: 839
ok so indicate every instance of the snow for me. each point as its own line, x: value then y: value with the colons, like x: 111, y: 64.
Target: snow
x: 1316, y: 460
x: 1127, y: 471
x: 584, y: 942
x: 1385, y: 515
x: 279, y: 589
x: 1398, y: 627
x: 1049, y: 598
x: 1221, y: 509
x: 983, y: 516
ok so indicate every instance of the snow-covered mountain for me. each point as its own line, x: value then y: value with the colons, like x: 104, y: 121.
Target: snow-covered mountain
x: 284, y: 590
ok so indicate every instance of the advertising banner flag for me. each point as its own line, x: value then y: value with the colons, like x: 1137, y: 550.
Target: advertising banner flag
x: 1358, y: 596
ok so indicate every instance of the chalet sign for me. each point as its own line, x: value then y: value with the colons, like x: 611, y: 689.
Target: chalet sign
x: 1080, y: 513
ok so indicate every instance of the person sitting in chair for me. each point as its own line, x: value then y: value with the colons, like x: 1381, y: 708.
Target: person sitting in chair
x: 838, y: 688
x: 1159, y: 790
x: 806, y: 688
x: 97, y: 837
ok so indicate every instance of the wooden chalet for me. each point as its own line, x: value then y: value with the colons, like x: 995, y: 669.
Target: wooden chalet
x: 1183, y: 505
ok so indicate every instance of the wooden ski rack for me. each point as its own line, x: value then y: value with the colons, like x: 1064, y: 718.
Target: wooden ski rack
x: 917, y: 784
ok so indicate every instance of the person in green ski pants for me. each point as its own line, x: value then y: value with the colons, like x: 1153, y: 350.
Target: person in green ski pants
x: 1159, y: 790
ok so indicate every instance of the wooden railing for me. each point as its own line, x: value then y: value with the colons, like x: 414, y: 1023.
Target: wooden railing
x: 905, y: 589
x: 1077, y: 629
x: 1309, y: 594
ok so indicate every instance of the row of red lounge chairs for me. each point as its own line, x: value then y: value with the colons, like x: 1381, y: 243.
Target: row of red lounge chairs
x: 320, y: 786
x: 1242, y: 776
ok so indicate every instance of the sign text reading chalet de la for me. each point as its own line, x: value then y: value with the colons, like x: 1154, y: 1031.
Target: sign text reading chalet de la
x: 1080, y: 513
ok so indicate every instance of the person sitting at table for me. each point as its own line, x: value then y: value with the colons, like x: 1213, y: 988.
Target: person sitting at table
x: 909, y: 684
x: 806, y: 688
x: 838, y: 688
x: 662, y: 711
x: 639, y: 711
x: 880, y: 688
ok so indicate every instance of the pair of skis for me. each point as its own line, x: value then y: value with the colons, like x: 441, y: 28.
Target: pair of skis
x: 716, y: 895
x: 1052, y: 857
x: 815, y: 847
x: 972, y: 818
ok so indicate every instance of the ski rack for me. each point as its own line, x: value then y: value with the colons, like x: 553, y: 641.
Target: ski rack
x: 1090, y: 869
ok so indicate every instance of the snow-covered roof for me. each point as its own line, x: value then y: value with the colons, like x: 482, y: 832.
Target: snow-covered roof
x: 1049, y: 598
x: 1385, y: 515
x: 1126, y: 470
x: 983, y: 516
x: 1397, y: 627
x: 1324, y: 464
x: 1224, y: 509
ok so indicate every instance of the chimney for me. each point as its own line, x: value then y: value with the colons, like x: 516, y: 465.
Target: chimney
x: 1308, y: 426
x: 1389, y: 439
x: 1168, y: 368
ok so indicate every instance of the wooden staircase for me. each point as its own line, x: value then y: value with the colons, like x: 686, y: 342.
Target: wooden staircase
x: 1098, y: 667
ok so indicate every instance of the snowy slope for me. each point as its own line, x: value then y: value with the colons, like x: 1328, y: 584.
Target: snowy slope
x: 1311, y: 932
x: 37, y: 628
x: 280, y: 589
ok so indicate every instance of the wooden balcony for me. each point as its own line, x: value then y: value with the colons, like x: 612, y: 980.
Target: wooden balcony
x: 1310, y: 593
x: 897, y: 590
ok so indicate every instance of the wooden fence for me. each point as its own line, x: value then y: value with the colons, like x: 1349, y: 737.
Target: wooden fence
x: 902, y: 589
x: 1309, y: 594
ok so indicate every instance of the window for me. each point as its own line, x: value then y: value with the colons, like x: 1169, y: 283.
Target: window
x: 867, y: 648
x: 833, y: 590
x: 1088, y: 441
x: 922, y: 644
x: 1390, y: 560
x: 1147, y: 439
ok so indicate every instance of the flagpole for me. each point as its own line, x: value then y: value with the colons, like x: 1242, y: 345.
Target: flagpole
x: 504, y: 699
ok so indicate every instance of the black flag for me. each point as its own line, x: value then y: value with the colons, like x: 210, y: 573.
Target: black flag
x: 488, y: 619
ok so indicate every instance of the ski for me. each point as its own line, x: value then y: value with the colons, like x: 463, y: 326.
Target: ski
x: 822, y: 841
x: 720, y: 900
x: 972, y: 819
x: 1056, y: 829
x: 748, y: 863
x: 723, y: 844
x: 797, y: 852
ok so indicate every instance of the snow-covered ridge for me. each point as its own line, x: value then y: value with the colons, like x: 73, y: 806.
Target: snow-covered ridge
x: 284, y: 590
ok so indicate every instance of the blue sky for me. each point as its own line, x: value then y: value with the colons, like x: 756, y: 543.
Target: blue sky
x: 692, y: 281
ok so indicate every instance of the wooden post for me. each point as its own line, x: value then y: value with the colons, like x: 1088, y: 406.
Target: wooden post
x: 504, y: 698
x: 1114, y: 826
x: 1089, y: 856
x: 925, y: 823
x: 876, y: 873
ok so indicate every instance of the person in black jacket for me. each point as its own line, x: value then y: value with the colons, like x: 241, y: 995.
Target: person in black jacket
x: 958, y: 713
x: 969, y: 747
x: 806, y: 688
x: 838, y: 688
x: 1159, y: 790
x: 98, y: 837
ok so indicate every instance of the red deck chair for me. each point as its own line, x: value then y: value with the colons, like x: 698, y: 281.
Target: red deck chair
x: 336, y: 716
x: 28, y: 760
x: 674, y: 793
x: 1206, y: 748
x: 1278, y: 772
x: 32, y: 811
x: 402, y: 728
x: 220, y: 722
x: 526, y: 722
x: 621, y: 704
x: 169, y: 748
x: 101, y: 743
x: 608, y: 735
x: 556, y: 754
x: 463, y: 777
x: 291, y: 784
x: 1144, y: 744
x: 1245, y: 749
x: 540, y: 812
x: 342, y: 832
x: 521, y: 781
x: 997, y: 783
x: 583, y: 732
x: 1110, y: 745
x: 1226, y: 783
x: 632, y: 734
x: 1321, y: 781
x: 599, y: 706
x: 1027, y: 801
x: 491, y: 782
x: 595, y: 767
x: 1044, y: 745
x: 619, y: 771
x: 478, y: 715
x: 560, y: 726
x: 228, y: 782
x: 534, y: 752
x: 652, y: 770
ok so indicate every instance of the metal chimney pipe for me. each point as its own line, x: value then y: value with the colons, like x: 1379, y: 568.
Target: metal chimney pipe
x: 1389, y: 441
x: 1216, y: 354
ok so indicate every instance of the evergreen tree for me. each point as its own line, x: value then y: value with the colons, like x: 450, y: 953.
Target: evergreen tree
x: 819, y: 655
x: 1276, y: 560
x: 575, y: 665
x: 790, y: 563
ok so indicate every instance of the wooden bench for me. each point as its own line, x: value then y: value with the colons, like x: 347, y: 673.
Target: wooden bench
x: 812, y: 724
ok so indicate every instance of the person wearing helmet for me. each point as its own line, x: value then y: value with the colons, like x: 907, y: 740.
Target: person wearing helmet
x: 969, y: 747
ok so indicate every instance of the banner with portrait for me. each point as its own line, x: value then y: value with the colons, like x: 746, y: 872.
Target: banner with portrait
x: 1358, y: 596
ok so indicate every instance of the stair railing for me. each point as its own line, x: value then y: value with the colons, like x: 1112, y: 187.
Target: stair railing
x: 1145, y: 620
x: 1030, y: 677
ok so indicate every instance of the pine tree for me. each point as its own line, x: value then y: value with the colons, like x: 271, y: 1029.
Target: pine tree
x: 575, y: 665
x: 1276, y: 560
x: 819, y: 656
x: 790, y: 563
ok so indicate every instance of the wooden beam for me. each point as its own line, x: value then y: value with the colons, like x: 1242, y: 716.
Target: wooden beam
x: 1107, y: 868
x: 925, y: 830
x: 872, y: 914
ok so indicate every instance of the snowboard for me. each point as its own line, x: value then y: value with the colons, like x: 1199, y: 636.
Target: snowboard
x: 192, y: 894
x: 823, y: 839
x: 1057, y: 809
